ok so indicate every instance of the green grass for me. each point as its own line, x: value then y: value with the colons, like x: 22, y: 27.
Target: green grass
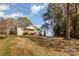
x: 4, y: 46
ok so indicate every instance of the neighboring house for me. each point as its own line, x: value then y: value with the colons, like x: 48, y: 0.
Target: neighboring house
x: 30, y: 30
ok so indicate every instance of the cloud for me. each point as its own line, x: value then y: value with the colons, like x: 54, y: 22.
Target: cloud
x: 2, y: 14
x: 4, y: 7
x: 14, y: 15
x: 38, y: 26
x: 36, y: 8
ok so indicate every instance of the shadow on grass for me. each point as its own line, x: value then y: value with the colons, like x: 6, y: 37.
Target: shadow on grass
x: 1, y: 38
x: 43, y: 42
x: 46, y: 42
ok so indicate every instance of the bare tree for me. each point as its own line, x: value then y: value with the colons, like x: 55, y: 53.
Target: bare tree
x: 6, y: 25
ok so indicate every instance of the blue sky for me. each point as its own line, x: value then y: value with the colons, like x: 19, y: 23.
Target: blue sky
x: 33, y: 11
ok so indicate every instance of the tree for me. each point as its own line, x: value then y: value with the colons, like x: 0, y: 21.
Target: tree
x: 63, y: 19
x: 67, y: 36
x: 45, y: 27
x: 71, y: 9
x: 6, y: 25
x: 54, y: 15
x: 75, y: 26
x: 24, y: 21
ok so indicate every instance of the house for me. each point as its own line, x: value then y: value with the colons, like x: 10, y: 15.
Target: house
x: 30, y: 30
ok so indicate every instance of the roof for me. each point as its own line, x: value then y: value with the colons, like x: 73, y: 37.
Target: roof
x: 30, y: 27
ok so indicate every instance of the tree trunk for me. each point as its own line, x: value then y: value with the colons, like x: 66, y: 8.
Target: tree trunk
x: 44, y: 33
x: 71, y: 8
x: 67, y: 36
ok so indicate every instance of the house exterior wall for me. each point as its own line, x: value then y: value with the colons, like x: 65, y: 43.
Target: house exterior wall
x: 19, y: 31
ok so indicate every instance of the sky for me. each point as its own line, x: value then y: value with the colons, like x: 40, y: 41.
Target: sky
x: 33, y: 11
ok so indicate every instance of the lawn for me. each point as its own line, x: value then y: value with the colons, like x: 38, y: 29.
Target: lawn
x: 23, y: 46
x: 4, y: 46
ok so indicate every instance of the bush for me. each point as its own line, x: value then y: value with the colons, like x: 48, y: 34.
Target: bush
x: 75, y: 35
